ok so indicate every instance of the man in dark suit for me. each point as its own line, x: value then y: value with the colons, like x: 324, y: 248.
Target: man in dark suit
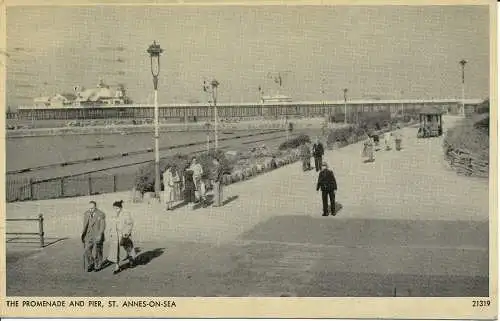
x: 318, y: 152
x: 94, y: 225
x: 328, y: 186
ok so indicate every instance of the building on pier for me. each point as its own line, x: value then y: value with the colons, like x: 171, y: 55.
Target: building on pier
x: 101, y: 95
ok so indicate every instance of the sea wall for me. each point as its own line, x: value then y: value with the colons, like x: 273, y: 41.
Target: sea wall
x: 133, y: 129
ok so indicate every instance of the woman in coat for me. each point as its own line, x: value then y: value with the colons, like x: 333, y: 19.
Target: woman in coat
x: 369, y: 145
x: 189, y: 186
x: 171, y: 182
x: 120, y: 242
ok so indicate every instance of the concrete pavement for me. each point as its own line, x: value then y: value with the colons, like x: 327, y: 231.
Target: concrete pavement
x: 407, y: 222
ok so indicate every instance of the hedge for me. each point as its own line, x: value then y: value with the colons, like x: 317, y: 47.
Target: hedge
x: 295, y: 142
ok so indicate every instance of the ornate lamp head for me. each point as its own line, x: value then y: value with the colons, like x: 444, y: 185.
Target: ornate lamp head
x: 154, y: 52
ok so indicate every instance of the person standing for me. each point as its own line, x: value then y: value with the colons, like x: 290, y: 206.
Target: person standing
x: 198, y: 182
x: 328, y: 186
x: 120, y: 238
x: 189, y: 186
x: 388, y: 140
x: 306, y: 157
x: 368, y: 151
x: 398, y: 139
x: 94, y: 225
x: 318, y: 151
x: 217, y: 182
x: 170, y: 182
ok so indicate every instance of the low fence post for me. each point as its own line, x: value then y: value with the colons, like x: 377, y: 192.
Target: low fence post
x: 32, y: 189
x: 89, y: 185
x: 40, y: 230
x: 61, y: 190
x: 114, y: 183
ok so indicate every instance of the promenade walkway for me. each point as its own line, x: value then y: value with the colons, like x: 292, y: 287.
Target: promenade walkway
x: 407, y: 222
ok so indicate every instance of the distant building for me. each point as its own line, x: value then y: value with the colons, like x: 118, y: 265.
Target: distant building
x: 102, y: 95
x: 276, y: 99
x: 99, y: 96
x: 42, y: 101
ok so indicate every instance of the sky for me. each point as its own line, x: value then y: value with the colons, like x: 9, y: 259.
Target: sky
x: 386, y: 52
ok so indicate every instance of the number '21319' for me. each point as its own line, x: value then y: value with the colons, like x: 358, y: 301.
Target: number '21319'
x: 481, y: 303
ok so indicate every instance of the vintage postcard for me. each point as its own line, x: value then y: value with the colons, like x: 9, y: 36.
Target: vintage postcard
x: 304, y: 159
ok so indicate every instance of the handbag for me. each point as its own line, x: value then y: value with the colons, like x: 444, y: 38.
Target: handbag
x: 125, y: 241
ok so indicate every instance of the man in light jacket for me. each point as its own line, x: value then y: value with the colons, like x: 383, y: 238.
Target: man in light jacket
x: 94, y: 225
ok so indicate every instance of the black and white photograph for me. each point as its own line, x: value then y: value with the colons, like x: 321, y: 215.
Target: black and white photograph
x: 276, y: 151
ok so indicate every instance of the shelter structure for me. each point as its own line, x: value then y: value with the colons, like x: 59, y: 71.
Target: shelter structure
x: 431, y: 122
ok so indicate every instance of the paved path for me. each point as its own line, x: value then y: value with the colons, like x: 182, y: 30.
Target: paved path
x: 407, y: 222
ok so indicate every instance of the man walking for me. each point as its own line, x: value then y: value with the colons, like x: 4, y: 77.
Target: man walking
x: 318, y: 152
x: 217, y: 182
x: 94, y: 225
x: 328, y: 186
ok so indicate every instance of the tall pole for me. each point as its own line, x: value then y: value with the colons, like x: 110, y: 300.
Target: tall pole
x: 214, y: 93
x: 157, y: 144
x: 261, y: 92
x: 345, y: 105
x: 212, y: 89
x: 402, y: 106
x: 462, y: 63
x: 154, y: 51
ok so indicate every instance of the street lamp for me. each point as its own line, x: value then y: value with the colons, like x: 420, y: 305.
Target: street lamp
x: 345, y: 105
x: 154, y: 52
x: 402, y: 106
x: 211, y: 88
x: 462, y: 63
x: 261, y: 92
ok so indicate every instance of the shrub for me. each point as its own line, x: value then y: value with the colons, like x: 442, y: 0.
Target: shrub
x: 295, y: 142
x: 374, y: 120
x: 484, y: 107
x: 340, y: 135
x: 145, y: 176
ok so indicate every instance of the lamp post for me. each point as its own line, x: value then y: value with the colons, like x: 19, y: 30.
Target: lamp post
x: 402, y: 106
x: 345, y: 105
x: 261, y: 92
x: 212, y: 89
x: 154, y: 52
x: 462, y: 63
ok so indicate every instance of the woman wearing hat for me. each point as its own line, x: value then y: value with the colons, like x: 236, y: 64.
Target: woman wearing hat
x: 121, y: 246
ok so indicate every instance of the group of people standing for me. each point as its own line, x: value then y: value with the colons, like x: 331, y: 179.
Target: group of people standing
x: 117, y: 232
x: 192, y: 185
x: 317, y: 151
x: 372, y: 142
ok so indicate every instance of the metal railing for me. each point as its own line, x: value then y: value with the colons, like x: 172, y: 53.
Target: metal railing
x: 40, y: 233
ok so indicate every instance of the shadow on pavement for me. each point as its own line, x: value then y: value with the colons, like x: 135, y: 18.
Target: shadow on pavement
x: 338, y: 207
x: 34, y: 240
x: 229, y: 200
x: 180, y: 205
x: 209, y: 201
x: 146, y: 257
